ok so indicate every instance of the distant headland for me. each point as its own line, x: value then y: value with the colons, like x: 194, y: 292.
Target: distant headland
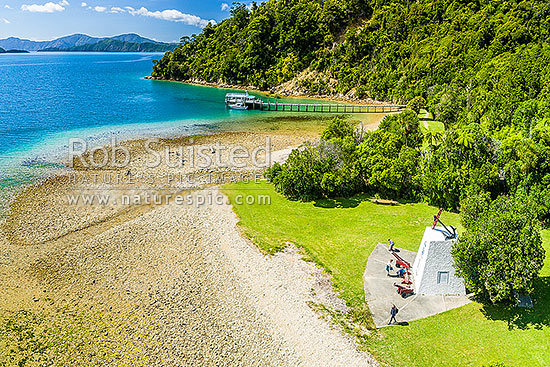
x: 2, y: 51
x: 130, y: 42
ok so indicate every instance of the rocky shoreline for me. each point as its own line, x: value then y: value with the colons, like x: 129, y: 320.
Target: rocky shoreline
x: 281, y: 91
x: 159, y: 284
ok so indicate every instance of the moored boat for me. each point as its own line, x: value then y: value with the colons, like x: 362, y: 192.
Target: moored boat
x: 241, y: 101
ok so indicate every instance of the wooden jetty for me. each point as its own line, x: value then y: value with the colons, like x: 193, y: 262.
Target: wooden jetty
x: 329, y: 108
x: 244, y: 101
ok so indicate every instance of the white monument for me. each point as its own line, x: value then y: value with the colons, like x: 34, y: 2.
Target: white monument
x: 433, y: 269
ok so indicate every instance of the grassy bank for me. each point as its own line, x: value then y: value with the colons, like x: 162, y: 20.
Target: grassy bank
x: 339, y: 235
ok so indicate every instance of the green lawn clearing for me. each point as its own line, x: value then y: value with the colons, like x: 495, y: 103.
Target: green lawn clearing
x: 340, y: 234
x: 427, y: 123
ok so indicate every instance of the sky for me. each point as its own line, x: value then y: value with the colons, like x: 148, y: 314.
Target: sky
x: 161, y: 20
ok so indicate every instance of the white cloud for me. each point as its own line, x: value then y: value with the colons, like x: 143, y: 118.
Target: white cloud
x: 83, y: 4
x: 49, y: 7
x: 225, y: 6
x: 5, y: 21
x: 173, y: 15
x: 116, y: 9
x: 7, y: 6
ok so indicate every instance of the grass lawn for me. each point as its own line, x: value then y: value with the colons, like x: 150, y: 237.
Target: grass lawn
x: 339, y: 235
x: 435, y: 126
x: 428, y: 123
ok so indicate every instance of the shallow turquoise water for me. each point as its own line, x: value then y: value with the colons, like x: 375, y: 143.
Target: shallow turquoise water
x: 43, y: 95
x: 47, y: 98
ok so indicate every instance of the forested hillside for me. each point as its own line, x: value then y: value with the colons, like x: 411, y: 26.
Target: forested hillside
x: 264, y: 45
x: 480, y: 58
x: 481, y: 67
x: 113, y: 45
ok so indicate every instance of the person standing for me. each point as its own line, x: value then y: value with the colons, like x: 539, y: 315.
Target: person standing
x: 389, y: 267
x: 394, y: 310
x: 391, y: 244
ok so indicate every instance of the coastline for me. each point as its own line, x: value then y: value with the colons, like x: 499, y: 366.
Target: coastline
x: 125, y: 270
x: 294, y: 94
x: 98, y: 137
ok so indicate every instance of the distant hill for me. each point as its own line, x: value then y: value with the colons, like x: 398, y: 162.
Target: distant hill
x: 135, y: 38
x: 114, y: 45
x: 2, y: 51
x: 73, y: 40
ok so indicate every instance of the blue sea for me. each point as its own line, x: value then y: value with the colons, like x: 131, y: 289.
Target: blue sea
x: 47, y: 98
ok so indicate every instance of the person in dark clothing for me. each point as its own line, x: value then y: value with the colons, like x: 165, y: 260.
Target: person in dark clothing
x: 393, y: 312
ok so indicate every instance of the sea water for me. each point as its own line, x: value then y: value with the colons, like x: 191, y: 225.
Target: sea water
x: 48, y: 98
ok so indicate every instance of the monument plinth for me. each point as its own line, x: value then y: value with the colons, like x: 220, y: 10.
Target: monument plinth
x: 434, y: 267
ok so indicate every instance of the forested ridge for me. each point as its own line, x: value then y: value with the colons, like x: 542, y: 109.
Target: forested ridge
x: 113, y: 45
x: 481, y: 67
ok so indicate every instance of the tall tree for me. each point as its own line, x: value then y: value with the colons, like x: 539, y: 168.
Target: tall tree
x: 501, y: 252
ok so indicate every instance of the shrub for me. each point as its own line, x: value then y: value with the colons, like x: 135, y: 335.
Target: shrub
x: 338, y: 128
x: 301, y: 175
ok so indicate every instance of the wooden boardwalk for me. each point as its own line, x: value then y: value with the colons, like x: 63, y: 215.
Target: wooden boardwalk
x: 327, y: 108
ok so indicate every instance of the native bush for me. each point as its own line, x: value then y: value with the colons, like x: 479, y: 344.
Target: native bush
x: 417, y: 103
x: 501, y: 251
x: 344, y: 164
x: 338, y: 128
x: 387, y: 165
x: 321, y: 170
x: 405, y: 125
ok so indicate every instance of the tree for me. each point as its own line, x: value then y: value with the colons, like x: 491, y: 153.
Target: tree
x: 301, y: 175
x: 501, y: 251
x: 465, y: 138
x: 338, y: 128
x: 387, y: 165
x: 471, y: 208
x: 433, y: 138
x: 417, y: 103
x: 405, y: 125
x: 447, y: 111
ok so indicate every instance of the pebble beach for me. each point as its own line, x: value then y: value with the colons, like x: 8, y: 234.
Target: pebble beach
x: 160, y: 285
